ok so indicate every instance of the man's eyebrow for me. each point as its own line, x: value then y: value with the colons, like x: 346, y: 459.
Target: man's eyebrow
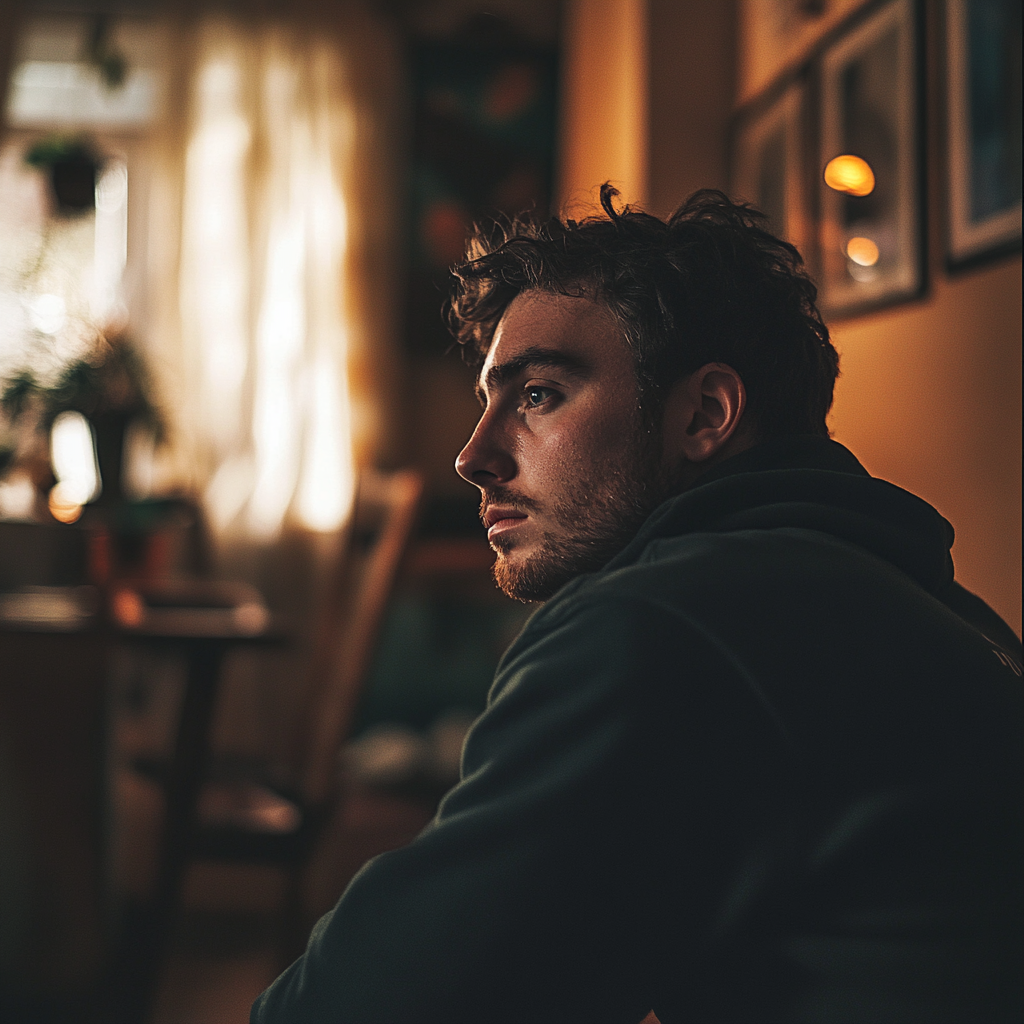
x: 532, y: 358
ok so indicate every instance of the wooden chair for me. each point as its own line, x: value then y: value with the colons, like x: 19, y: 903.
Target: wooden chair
x: 256, y: 813
x: 267, y: 818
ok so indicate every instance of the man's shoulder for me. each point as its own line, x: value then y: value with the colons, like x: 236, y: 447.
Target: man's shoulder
x: 781, y: 602
x: 699, y: 584
x: 760, y: 564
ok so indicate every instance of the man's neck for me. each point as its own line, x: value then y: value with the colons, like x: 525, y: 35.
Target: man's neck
x: 688, y: 474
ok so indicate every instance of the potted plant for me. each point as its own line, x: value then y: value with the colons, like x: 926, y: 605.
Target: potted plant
x: 71, y: 165
x: 111, y: 387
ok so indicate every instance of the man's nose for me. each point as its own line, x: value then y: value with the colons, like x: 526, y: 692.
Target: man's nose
x: 486, y: 460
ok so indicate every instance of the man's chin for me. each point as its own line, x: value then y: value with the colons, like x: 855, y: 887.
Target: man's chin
x: 582, y: 535
x: 523, y: 578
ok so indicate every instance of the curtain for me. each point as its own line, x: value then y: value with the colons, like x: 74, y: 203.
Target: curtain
x: 272, y: 224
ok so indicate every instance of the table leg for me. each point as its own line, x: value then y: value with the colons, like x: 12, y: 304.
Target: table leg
x: 146, y: 936
x: 188, y: 769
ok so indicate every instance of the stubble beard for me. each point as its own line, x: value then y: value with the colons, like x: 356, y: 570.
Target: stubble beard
x: 591, y: 526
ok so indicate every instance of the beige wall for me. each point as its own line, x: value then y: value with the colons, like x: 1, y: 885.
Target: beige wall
x: 930, y: 393
x: 774, y: 35
x: 690, y: 75
x: 930, y: 398
x: 604, y: 102
x: 646, y: 98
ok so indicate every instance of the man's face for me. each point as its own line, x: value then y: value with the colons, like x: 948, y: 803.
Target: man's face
x: 565, y: 470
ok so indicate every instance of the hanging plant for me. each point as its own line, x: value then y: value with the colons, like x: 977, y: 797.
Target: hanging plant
x: 101, y: 53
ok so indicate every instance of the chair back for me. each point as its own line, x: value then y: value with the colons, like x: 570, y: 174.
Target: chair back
x: 383, y: 519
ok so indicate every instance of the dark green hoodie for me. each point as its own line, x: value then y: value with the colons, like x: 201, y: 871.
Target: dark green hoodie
x: 765, y: 766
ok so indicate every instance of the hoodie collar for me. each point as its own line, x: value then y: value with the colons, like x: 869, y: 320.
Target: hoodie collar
x: 808, y: 483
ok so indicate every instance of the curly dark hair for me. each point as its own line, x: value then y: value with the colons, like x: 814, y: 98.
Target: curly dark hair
x: 708, y: 285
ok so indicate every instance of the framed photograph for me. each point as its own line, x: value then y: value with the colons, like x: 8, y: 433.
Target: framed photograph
x: 871, y: 222
x: 769, y: 161
x: 983, y: 128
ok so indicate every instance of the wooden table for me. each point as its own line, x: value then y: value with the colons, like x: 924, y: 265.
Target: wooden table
x: 204, y: 623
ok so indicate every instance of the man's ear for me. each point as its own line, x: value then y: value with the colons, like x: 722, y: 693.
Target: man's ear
x: 702, y: 412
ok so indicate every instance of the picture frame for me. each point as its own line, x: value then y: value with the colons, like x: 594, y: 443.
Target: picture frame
x: 769, y: 160
x: 983, y: 130
x: 871, y: 245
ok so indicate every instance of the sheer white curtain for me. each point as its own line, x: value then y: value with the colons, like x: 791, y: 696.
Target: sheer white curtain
x: 263, y: 305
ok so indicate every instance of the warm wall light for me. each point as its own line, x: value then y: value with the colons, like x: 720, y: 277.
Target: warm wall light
x: 862, y: 251
x: 850, y: 174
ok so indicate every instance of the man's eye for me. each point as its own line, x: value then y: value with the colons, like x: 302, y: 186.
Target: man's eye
x: 538, y: 396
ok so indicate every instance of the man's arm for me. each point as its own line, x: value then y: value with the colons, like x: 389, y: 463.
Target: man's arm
x: 546, y: 885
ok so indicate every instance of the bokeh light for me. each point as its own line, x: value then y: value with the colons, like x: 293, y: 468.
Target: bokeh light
x: 128, y: 608
x: 850, y: 174
x: 48, y: 313
x: 862, y: 251
x: 73, y: 457
x: 63, y: 507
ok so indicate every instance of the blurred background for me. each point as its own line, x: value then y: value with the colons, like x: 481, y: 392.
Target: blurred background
x: 230, y: 411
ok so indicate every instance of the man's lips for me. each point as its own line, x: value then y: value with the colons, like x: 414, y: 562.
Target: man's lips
x: 499, y: 518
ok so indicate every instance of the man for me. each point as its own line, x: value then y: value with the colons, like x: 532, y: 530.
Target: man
x: 757, y: 757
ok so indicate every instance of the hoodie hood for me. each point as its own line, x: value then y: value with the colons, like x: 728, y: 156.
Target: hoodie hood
x: 809, y: 483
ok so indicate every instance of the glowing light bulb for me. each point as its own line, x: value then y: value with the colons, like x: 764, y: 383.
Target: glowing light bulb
x: 862, y: 251
x: 850, y: 174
